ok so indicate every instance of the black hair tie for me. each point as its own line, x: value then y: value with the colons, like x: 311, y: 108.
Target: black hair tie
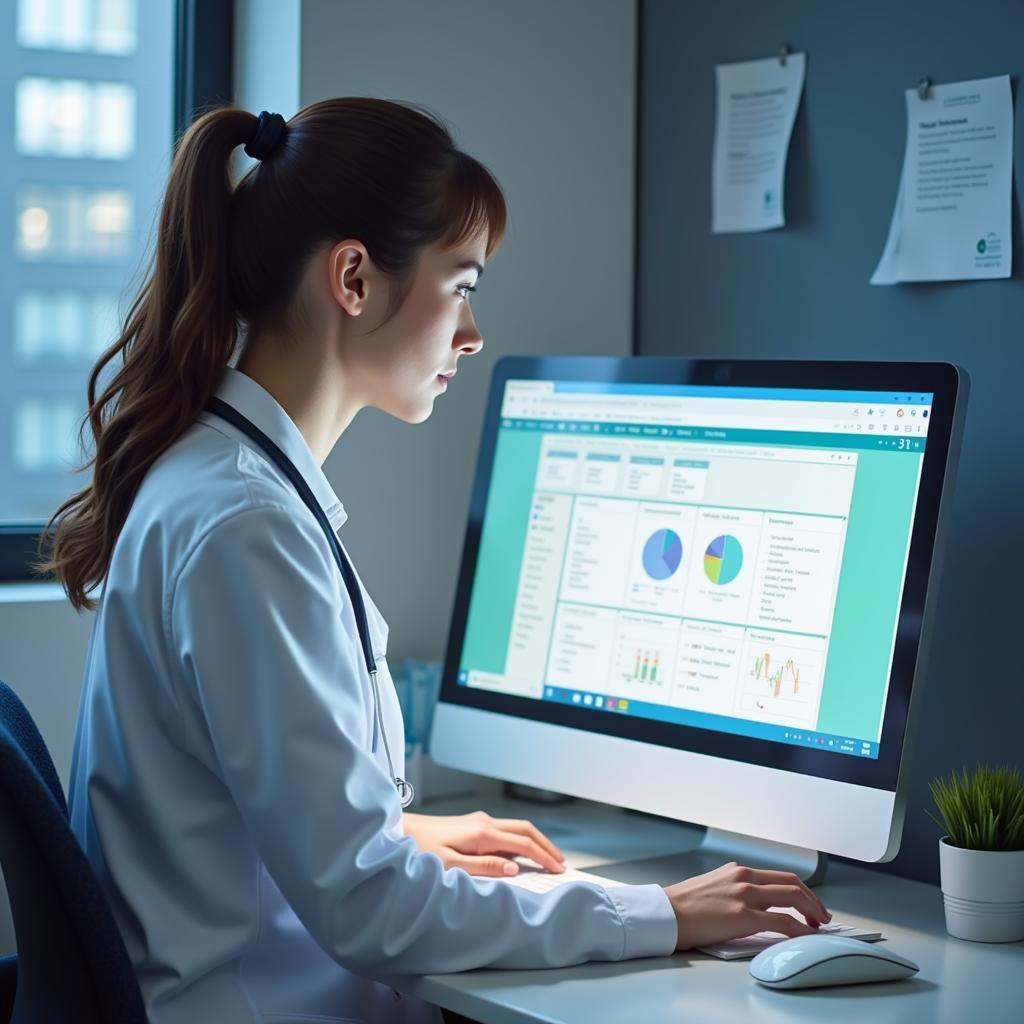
x: 269, y: 132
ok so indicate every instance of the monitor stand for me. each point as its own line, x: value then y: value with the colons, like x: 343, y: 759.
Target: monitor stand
x: 716, y: 848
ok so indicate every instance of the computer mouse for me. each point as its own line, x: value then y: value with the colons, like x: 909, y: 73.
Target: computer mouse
x: 813, y: 960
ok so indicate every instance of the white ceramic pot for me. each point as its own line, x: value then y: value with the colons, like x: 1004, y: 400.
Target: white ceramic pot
x: 983, y: 892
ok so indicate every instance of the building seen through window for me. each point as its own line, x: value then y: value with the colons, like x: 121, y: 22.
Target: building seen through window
x: 67, y: 222
x: 88, y: 86
x: 62, y: 327
x: 72, y: 117
x: 90, y: 26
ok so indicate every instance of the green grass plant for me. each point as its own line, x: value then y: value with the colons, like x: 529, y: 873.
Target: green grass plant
x: 983, y: 810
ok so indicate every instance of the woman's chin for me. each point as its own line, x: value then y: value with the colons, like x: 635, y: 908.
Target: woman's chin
x: 414, y: 412
x: 412, y: 408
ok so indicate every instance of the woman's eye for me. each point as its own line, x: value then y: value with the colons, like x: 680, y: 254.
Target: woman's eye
x: 462, y: 288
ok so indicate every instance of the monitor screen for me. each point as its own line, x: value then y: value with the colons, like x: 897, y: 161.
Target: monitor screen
x: 695, y: 564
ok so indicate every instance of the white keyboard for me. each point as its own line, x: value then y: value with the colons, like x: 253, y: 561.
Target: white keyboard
x: 537, y: 880
x: 750, y: 945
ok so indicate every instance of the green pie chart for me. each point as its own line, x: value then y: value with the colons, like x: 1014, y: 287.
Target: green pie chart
x: 723, y: 559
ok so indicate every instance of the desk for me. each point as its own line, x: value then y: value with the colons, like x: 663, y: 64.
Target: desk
x: 959, y: 982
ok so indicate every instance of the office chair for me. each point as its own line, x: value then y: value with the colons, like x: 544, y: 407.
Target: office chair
x: 71, y: 964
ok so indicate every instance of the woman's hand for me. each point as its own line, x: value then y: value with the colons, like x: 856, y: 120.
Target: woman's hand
x: 732, y: 901
x: 480, y: 844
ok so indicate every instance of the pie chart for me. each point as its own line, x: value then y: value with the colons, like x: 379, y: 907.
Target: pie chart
x: 723, y: 559
x: 662, y: 554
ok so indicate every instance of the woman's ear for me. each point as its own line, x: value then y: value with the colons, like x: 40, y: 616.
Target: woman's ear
x: 349, y: 270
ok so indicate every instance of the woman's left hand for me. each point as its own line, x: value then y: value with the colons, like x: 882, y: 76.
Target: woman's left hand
x: 480, y: 844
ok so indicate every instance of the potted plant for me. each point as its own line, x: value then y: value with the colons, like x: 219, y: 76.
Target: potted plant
x: 981, y: 858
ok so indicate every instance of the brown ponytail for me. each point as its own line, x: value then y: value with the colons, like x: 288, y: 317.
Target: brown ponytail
x: 384, y: 172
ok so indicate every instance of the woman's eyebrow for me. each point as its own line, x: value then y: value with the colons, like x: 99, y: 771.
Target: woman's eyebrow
x: 470, y: 265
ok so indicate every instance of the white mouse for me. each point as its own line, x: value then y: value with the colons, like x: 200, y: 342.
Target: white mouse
x: 812, y: 960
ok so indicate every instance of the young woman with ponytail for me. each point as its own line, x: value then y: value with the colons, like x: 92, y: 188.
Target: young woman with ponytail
x: 227, y: 783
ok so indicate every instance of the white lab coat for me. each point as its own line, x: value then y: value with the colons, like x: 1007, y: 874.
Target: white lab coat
x: 223, y: 786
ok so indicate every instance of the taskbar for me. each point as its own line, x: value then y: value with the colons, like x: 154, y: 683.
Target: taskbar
x: 796, y: 736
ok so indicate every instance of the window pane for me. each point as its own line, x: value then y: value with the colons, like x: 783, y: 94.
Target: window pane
x: 70, y: 223
x: 82, y: 168
x: 63, y: 327
x: 113, y: 120
x: 74, y: 118
x: 114, y: 26
x: 97, y: 26
x: 45, y: 434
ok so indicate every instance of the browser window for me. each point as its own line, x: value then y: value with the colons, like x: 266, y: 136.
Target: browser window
x: 727, y: 558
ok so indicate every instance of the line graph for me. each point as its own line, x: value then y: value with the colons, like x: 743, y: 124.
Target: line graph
x: 763, y: 670
x: 781, y: 678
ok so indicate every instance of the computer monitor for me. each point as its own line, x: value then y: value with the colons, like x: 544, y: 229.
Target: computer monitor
x: 703, y: 589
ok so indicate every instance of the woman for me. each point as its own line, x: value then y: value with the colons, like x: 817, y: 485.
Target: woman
x: 229, y: 785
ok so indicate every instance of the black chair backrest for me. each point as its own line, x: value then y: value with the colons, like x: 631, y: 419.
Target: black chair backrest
x: 72, y: 964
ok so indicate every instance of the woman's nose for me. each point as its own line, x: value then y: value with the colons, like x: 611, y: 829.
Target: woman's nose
x: 470, y: 343
x: 468, y: 339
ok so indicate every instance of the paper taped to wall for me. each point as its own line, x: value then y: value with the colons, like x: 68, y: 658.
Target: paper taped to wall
x: 756, y: 106
x: 952, y: 215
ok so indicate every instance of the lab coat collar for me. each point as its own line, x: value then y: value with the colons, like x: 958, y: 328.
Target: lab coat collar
x: 257, y: 404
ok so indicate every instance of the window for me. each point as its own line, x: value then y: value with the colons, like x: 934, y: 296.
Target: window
x: 95, y: 91
x: 75, y: 118
x: 95, y: 26
x: 44, y: 434
x: 90, y: 85
x: 69, y: 223
x: 61, y: 328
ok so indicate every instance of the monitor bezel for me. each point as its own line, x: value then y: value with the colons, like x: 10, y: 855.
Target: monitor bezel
x: 942, y: 379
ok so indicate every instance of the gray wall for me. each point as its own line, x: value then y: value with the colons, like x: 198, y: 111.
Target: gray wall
x: 803, y: 292
x: 544, y: 95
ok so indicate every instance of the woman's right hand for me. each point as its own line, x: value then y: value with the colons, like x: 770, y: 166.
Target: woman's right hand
x: 732, y: 901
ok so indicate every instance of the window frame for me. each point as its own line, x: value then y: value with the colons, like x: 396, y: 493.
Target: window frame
x: 203, y: 76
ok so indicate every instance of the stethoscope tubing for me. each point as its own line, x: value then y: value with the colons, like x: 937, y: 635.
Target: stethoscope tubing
x: 231, y: 415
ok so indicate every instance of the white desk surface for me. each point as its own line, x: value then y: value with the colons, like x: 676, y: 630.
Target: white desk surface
x: 959, y: 982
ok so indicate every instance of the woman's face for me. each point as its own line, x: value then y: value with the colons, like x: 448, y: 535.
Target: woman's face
x: 398, y: 366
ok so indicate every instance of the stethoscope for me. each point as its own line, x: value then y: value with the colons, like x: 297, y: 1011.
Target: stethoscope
x: 247, y: 427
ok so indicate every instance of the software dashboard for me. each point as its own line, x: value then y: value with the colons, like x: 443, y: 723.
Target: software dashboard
x: 726, y: 558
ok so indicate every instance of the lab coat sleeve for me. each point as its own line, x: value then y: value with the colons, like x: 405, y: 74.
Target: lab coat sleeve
x: 256, y: 628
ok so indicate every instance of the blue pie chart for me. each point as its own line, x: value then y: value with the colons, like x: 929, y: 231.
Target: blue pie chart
x: 662, y: 554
